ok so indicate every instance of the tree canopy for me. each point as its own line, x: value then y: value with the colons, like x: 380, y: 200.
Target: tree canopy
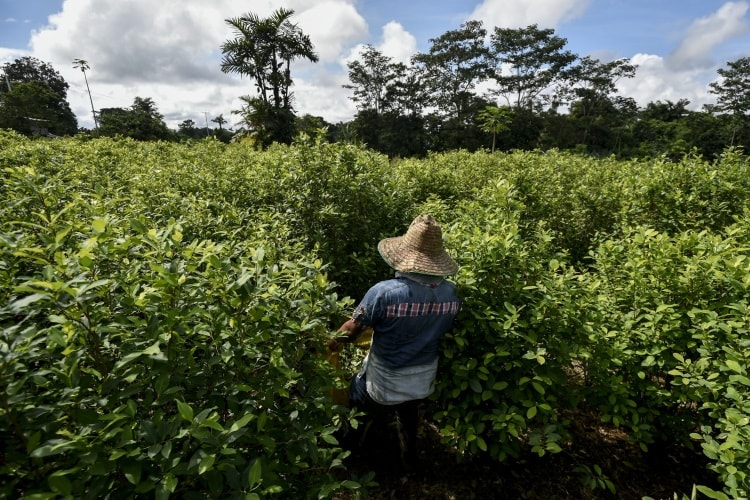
x: 528, y: 61
x: 35, y: 99
x: 456, y: 62
x: 732, y: 92
x: 141, y: 121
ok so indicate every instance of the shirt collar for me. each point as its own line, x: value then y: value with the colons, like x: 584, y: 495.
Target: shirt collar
x: 423, y: 279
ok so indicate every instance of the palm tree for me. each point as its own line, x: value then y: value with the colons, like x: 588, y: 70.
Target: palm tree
x: 84, y: 65
x: 220, y: 120
x: 263, y: 49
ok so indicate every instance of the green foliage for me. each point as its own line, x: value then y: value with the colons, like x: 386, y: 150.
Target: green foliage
x: 495, y: 120
x: 140, y: 355
x: 36, y: 101
x: 503, y: 364
x: 690, y: 194
x: 165, y: 308
x: 141, y: 121
x: 537, y: 59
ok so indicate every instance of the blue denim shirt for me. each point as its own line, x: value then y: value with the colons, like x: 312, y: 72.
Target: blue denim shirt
x: 409, y: 314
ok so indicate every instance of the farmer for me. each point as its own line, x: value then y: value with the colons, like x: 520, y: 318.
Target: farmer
x: 408, y: 314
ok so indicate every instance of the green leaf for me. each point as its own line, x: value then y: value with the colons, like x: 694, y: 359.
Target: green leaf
x: 241, y: 422
x: 20, y: 304
x: 718, y: 495
x: 170, y: 482
x: 328, y: 438
x: 61, y: 234
x: 206, y: 464
x: 531, y: 413
x: 132, y: 472
x: 152, y: 350
x: 476, y: 386
x: 186, y: 412
x: 99, y: 224
x: 52, y: 447
x: 499, y: 386
x: 734, y: 366
x: 126, y: 360
x: 553, y: 447
x: 60, y: 484
x: 254, y: 475
x: 138, y: 226
x: 481, y: 444
x: 213, y: 424
x: 153, y: 450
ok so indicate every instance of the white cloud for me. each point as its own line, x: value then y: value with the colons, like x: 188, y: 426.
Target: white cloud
x: 522, y: 13
x: 654, y: 81
x: 707, y: 33
x: 332, y: 26
x: 10, y: 20
x: 171, y: 54
x: 687, y: 71
x: 397, y: 43
x: 324, y: 96
x: 8, y: 55
x: 135, y: 41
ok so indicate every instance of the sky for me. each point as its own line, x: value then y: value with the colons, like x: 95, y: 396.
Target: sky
x: 169, y: 50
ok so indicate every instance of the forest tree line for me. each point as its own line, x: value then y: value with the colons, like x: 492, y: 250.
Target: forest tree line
x: 506, y: 89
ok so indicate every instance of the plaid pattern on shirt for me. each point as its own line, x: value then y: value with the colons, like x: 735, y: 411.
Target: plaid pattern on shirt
x: 413, y: 309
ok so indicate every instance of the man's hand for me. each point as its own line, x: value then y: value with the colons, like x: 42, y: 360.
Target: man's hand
x: 335, y: 345
x: 350, y: 330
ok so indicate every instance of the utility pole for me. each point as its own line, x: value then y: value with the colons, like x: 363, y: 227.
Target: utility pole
x: 205, y: 114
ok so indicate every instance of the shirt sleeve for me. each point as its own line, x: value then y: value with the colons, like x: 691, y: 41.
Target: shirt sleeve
x: 370, y: 310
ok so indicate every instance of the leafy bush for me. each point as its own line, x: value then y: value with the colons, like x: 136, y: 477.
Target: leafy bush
x: 165, y: 308
x: 135, y: 361
x: 503, y: 370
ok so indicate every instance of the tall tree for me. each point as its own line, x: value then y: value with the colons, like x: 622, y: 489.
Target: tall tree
x: 84, y: 65
x: 662, y: 129
x: 187, y: 129
x: 408, y: 95
x: 733, y: 94
x: 528, y: 61
x: 370, y: 79
x: 41, y: 104
x: 591, y: 87
x: 456, y: 62
x: 30, y: 69
x: 263, y: 49
x: 390, y: 98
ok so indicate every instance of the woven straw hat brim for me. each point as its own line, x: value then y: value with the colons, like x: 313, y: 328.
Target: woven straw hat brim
x: 398, y: 254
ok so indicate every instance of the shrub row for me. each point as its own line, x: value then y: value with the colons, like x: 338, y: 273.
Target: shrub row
x: 165, y: 307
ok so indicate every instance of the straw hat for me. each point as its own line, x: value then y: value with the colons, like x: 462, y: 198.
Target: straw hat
x: 420, y: 250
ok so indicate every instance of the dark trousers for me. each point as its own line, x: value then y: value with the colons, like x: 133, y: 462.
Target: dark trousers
x: 384, y: 418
